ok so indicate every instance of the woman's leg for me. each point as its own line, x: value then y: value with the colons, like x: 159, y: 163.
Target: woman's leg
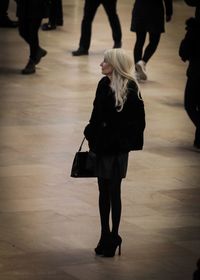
x: 104, y: 205
x: 154, y: 39
x: 111, y: 11
x: 139, y: 44
x: 116, y: 206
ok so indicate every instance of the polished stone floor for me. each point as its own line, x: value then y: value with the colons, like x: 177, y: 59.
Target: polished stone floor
x: 49, y: 222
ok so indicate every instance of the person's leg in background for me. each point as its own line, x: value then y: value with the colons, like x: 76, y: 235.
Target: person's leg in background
x: 111, y: 11
x: 90, y: 9
x: 55, y: 16
x: 154, y: 39
x: 192, y: 106
x: 139, y: 44
x: 5, y: 21
x: 28, y: 29
x: 138, y: 55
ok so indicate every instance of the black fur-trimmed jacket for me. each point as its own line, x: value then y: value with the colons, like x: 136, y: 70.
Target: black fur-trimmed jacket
x: 110, y: 131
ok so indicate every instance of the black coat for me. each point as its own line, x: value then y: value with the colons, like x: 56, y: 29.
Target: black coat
x: 149, y: 15
x: 33, y: 8
x: 190, y: 48
x: 110, y: 131
x: 194, y: 3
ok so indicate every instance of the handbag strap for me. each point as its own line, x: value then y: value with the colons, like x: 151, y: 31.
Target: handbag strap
x: 81, y: 145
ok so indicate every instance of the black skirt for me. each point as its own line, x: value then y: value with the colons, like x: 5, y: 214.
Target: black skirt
x: 109, y: 165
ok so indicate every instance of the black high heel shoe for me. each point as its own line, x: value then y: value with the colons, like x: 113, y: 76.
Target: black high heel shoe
x: 110, y: 250
x: 102, y: 245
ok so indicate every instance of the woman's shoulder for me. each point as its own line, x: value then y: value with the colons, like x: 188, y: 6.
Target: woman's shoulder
x: 132, y: 88
x: 104, y: 81
x: 134, y: 93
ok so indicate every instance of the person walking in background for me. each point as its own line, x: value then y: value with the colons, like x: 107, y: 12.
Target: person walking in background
x: 30, y: 14
x: 55, y: 16
x: 148, y: 16
x: 194, y: 3
x: 196, y: 274
x: 90, y: 9
x: 115, y: 128
x: 189, y: 50
x: 5, y: 21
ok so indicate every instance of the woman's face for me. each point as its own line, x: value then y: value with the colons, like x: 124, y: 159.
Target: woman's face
x: 106, y: 68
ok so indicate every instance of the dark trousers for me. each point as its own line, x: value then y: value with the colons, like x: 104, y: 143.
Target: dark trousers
x: 28, y: 30
x: 110, y: 201
x: 4, y: 8
x: 150, y: 49
x: 192, y: 105
x: 56, y: 12
x: 90, y: 9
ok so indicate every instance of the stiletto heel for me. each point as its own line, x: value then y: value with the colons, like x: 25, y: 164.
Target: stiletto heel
x: 111, y: 249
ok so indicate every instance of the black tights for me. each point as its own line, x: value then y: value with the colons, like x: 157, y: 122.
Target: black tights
x: 110, y: 200
x: 154, y: 39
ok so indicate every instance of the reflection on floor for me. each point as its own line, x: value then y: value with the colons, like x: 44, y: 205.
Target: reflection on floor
x: 49, y: 221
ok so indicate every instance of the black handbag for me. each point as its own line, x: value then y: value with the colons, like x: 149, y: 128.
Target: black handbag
x: 84, y: 164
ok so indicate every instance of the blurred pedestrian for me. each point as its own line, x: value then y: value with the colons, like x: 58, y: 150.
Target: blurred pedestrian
x: 190, y: 51
x: 90, y: 9
x: 5, y: 21
x: 148, y: 16
x: 55, y: 16
x: 196, y: 274
x: 30, y: 14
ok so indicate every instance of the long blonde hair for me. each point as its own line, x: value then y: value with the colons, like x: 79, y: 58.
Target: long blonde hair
x: 122, y: 73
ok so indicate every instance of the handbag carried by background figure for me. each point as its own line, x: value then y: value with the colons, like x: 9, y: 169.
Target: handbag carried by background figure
x: 84, y: 164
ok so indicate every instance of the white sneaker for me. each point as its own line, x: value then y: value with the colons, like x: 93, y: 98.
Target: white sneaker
x: 137, y: 76
x: 141, y: 71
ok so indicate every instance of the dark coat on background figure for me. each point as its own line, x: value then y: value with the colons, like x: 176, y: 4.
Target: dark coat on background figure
x: 194, y: 3
x: 110, y: 131
x: 149, y: 15
x: 190, y: 48
x: 33, y: 8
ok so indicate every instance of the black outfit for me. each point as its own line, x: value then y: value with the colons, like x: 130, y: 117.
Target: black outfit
x: 196, y: 275
x: 148, y: 17
x: 190, y: 51
x: 90, y: 9
x: 194, y: 3
x: 55, y: 15
x: 111, y: 135
x: 30, y: 14
x: 4, y: 19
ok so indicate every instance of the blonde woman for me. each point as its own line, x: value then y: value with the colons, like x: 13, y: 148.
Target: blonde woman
x: 115, y: 128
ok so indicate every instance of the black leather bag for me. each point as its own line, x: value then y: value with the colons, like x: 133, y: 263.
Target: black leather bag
x: 84, y: 164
